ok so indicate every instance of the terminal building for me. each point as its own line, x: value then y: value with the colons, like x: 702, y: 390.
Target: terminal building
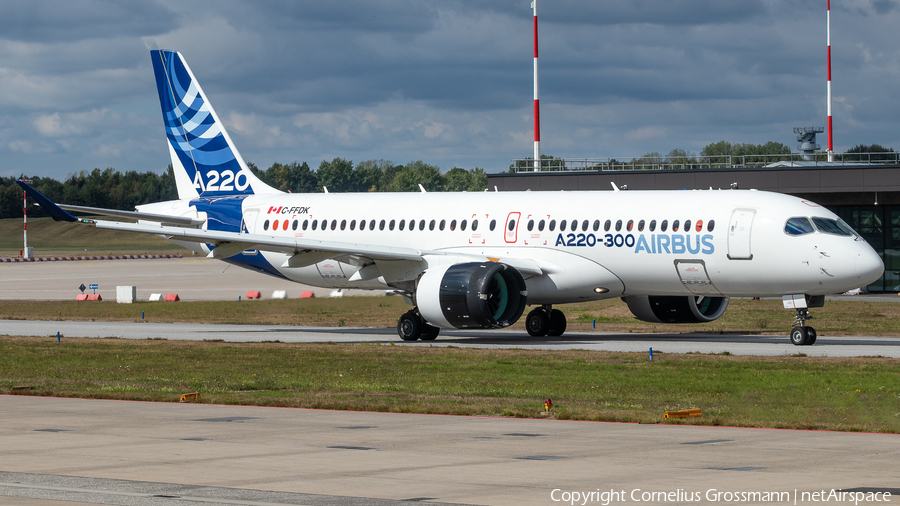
x: 864, y: 193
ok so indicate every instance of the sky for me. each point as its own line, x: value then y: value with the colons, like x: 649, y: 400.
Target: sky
x: 449, y: 82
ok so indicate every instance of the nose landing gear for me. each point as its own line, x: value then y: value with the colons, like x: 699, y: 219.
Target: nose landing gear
x: 802, y: 334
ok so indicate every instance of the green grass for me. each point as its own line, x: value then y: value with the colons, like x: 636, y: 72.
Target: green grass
x: 47, y: 236
x: 787, y: 392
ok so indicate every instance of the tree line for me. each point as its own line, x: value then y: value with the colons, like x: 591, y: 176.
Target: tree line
x: 722, y: 152
x: 111, y: 189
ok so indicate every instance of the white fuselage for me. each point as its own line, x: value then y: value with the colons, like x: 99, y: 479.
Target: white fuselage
x: 736, y: 244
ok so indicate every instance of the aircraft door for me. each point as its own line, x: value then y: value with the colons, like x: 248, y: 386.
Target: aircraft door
x: 331, y: 269
x: 695, y: 277
x: 512, y: 227
x: 248, y: 221
x: 739, y: 234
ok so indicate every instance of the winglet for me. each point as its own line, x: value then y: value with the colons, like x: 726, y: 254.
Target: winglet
x: 46, y: 204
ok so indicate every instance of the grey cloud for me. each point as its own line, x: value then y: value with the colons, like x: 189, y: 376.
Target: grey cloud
x: 65, y: 21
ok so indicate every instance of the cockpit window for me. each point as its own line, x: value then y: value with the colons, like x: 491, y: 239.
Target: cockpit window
x: 798, y: 226
x: 829, y: 226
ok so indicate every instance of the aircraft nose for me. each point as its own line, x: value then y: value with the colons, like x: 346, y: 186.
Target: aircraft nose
x: 869, y: 266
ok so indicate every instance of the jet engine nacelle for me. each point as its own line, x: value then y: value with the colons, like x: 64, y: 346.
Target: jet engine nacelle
x: 484, y: 295
x: 676, y: 309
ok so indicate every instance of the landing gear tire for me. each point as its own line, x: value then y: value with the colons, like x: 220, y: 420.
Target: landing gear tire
x: 410, y: 326
x: 798, y: 336
x: 810, y: 336
x: 537, y: 323
x: 803, y: 336
x: 557, y: 323
x: 429, y: 333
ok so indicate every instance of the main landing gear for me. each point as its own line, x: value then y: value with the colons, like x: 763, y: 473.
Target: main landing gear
x: 801, y: 334
x: 545, y: 321
x: 412, y: 327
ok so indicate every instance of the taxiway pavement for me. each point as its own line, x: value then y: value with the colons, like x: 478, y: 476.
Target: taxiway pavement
x: 829, y: 346
x: 71, y: 451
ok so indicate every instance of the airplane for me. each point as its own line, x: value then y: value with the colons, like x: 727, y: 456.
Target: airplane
x: 476, y: 260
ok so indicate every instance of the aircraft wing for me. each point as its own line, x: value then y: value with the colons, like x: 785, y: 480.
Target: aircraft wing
x: 161, y: 218
x: 303, y: 251
x: 287, y: 245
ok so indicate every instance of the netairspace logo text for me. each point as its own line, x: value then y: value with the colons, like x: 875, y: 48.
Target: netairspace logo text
x: 607, y: 497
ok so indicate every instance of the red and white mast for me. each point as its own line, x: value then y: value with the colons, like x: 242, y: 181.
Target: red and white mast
x: 25, y: 220
x: 537, y: 107
x: 828, y: 36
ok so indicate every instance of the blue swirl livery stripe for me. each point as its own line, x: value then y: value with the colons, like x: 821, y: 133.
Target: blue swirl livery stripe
x: 193, y: 130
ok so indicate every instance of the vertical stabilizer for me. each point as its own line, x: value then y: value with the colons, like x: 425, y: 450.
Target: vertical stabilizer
x: 204, y: 158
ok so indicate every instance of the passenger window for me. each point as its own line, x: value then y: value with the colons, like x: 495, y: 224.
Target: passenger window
x: 305, y: 224
x: 462, y: 226
x: 596, y: 225
x: 675, y: 226
x: 541, y: 226
x: 699, y: 225
x: 618, y: 225
x: 294, y: 225
x: 829, y: 226
x: 431, y: 225
x: 391, y: 224
x: 352, y: 224
x: 711, y: 225
x: 664, y: 225
x: 266, y: 225
x: 333, y: 224
x: 512, y: 225
x: 421, y: 224
x: 453, y: 225
x: 574, y: 225
x: 343, y: 224
x: 315, y: 223
x: 562, y: 226
x: 275, y: 225
x: 641, y: 226
x: 584, y: 225
x: 630, y: 225
x: 687, y: 225
x: 402, y: 224
x: 552, y: 225
x: 381, y: 225
x: 285, y: 226
x: 530, y: 225
x: 798, y: 226
x: 652, y: 225
x: 371, y: 224
x: 441, y: 226
x: 607, y: 225
x: 474, y: 225
x: 493, y: 225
